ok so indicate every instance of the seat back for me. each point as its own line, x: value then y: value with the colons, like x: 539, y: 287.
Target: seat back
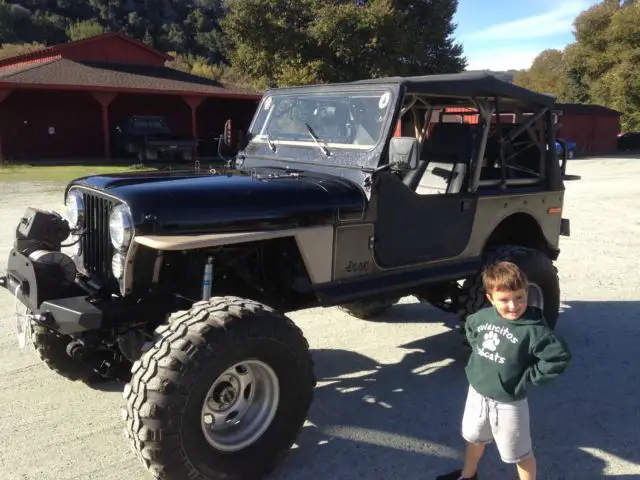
x: 447, y: 152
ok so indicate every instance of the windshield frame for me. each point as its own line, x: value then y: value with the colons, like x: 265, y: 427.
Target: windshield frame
x: 305, y: 149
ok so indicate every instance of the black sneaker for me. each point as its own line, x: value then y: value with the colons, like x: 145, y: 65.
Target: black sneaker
x: 456, y: 475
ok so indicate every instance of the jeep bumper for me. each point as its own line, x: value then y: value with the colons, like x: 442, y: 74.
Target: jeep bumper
x: 61, y: 306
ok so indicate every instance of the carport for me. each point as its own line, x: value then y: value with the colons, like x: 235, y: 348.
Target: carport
x: 66, y: 100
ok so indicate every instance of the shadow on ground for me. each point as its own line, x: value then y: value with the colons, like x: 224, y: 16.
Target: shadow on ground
x: 401, y: 420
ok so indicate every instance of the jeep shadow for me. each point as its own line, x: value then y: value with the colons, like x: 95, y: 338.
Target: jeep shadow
x: 402, y: 420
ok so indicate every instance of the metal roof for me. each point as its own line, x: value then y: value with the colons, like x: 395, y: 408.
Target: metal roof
x: 102, y: 76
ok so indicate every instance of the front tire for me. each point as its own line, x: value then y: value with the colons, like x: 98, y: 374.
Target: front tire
x: 540, y: 271
x: 221, y: 394
x: 51, y: 347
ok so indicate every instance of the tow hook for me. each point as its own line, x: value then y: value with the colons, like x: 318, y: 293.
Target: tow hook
x: 77, y: 350
x: 42, y: 318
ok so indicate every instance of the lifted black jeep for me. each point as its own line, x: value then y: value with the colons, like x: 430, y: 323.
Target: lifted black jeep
x: 352, y: 195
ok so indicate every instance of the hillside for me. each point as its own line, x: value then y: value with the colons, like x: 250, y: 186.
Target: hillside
x: 182, y: 26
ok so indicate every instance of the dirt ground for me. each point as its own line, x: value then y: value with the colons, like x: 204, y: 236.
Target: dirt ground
x: 391, y: 392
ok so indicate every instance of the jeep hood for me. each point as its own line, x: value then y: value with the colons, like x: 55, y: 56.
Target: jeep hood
x: 191, y: 202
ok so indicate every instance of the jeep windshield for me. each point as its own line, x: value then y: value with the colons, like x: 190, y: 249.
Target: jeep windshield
x: 326, y: 121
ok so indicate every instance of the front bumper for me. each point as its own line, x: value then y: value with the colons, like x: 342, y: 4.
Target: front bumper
x: 59, y: 304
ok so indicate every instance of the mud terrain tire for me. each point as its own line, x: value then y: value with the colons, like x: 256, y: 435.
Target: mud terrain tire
x: 51, y: 347
x: 367, y: 310
x: 165, y: 400
x: 535, y: 264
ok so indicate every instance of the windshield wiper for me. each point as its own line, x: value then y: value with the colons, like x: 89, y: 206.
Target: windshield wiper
x: 272, y: 145
x: 324, y: 149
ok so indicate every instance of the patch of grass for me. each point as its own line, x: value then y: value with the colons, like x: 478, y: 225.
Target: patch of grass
x: 61, y: 173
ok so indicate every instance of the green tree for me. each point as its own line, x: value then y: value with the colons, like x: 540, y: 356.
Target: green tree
x: 8, y: 50
x: 547, y: 73
x: 603, y: 60
x: 7, y: 29
x: 577, y: 87
x: 84, y: 28
x: 425, y: 38
x: 269, y: 41
x: 354, y: 41
x: 277, y: 42
x: 600, y: 66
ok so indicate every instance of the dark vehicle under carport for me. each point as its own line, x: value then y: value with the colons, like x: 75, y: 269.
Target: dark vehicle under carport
x: 150, y: 138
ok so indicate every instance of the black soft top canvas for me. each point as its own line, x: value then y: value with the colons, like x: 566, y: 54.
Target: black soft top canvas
x: 467, y: 84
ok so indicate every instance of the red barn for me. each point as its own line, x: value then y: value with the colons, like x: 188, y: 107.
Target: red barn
x: 66, y: 100
x: 594, y: 128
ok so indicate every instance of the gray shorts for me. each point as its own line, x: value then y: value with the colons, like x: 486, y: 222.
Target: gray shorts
x: 486, y: 420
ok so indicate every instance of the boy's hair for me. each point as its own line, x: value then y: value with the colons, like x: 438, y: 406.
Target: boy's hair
x: 504, y: 276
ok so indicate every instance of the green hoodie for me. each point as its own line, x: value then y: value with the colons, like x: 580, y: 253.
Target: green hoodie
x: 508, y: 354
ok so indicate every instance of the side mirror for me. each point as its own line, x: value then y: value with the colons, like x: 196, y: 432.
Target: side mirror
x: 228, y: 133
x: 403, y: 153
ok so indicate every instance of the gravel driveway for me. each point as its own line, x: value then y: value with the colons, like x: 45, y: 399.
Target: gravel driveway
x: 391, y: 392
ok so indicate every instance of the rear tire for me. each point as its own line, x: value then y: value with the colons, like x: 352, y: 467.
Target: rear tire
x: 172, y: 408
x: 535, y: 264
x: 367, y: 310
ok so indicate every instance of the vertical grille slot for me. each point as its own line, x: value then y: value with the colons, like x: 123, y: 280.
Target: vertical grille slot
x: 96, y: 245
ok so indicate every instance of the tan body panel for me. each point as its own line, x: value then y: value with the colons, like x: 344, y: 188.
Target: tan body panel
x: 315, y: 244
x: 348, y: 253
x: 354, y: 257
x: 491, y: 211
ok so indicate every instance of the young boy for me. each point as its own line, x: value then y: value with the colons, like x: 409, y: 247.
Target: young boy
x: 512, y: 346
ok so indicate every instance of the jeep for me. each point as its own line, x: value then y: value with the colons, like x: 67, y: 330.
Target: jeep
x: 352, y: 195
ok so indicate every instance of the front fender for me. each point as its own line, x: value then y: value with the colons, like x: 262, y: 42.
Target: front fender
x: 314, y: 243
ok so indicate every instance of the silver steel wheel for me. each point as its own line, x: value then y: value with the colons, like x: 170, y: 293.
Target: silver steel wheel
x: 240, y: 405
x: 536, y: 297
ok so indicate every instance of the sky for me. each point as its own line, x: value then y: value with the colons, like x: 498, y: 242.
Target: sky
x: 509, y: 34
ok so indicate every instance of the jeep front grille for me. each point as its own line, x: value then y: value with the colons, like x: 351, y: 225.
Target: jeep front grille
x: 95, y: 245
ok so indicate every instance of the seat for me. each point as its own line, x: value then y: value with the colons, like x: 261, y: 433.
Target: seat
x: 447, y: 152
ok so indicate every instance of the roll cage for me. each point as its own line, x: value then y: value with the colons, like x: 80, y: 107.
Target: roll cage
x: 500, y: 133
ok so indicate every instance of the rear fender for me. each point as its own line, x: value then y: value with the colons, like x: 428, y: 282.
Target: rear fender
x: 522, y: 228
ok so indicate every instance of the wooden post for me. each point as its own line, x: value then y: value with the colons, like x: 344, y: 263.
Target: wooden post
x: 105, y: 99
x: 194, y: 103
x: 4, y: 93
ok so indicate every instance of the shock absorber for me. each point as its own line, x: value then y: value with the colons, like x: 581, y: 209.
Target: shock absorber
x: 207, y: 279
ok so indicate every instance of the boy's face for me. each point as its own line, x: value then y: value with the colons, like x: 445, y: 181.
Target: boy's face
x: 509, y: 304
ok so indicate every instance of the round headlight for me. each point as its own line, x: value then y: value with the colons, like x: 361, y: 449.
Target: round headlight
x: 74, y: 245
x: 117, y: 265
x: 75, y: 209
x: 120, y: 227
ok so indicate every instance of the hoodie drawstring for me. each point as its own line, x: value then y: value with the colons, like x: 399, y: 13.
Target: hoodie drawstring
x: 486, y: 405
